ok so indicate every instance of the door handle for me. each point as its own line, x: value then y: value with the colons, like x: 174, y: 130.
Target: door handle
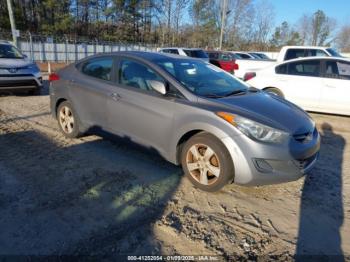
x: 115, y: 96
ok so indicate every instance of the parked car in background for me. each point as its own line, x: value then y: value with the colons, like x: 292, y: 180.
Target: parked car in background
x: 292, y: 52
x: 191, y: 112
x: 248, y: 65
x: 260, y: 55
x: 192, y: 52
x: 224, y: 60
x: 17, y: 72
x: 286, y: 53
x: 320, y: 84
x: 243, y: 55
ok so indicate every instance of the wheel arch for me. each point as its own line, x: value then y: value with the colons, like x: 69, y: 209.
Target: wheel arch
x: 193, y: 129
x: 58, y: 102
x: 272, y: 87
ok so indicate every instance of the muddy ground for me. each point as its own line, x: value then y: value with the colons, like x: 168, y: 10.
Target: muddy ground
x: 107, y: 196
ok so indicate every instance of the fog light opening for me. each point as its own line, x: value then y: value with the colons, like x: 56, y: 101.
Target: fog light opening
x: 262, y: 165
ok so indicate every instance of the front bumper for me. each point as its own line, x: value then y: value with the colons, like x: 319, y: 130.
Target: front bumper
x: 20, y: 80
x: 257, y: 163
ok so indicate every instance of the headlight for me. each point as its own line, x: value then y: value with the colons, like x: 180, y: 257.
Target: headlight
x: 33, y: 66
x: 255, y: 130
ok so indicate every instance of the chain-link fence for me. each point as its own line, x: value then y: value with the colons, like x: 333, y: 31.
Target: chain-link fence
x: 65, y: 49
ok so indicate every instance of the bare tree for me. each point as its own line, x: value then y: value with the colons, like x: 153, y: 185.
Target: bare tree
x: 240, y: 21
x: 343, y: 39
x: 316, y: 29
x: 264, y: 20
x: 180, y: 6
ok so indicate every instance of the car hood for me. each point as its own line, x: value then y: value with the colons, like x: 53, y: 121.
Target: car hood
x: 14, y: 63
x: 267, y: 109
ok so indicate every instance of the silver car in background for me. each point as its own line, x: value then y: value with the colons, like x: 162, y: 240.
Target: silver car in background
x: 193, y: 113
x: 17, y: 72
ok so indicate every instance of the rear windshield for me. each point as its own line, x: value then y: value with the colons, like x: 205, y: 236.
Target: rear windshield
x: 196, y: 53
x: 333, y: 52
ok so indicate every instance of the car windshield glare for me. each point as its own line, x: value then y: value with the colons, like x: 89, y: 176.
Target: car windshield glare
x: 9, y: 51
x: 203, y: 78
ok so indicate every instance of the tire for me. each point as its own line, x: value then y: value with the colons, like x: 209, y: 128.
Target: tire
x: 209, y: 173
x: 68, y: 120
x: 274, y: 91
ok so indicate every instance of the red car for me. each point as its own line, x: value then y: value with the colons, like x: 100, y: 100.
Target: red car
x: 224, y: 60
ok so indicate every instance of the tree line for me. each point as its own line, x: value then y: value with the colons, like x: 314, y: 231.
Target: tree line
x: 249, y: 24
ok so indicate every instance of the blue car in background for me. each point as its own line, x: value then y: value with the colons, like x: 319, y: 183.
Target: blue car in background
x: 17, y: 72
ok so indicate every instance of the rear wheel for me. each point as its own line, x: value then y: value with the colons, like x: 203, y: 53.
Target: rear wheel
x: 274, y: 91
x: 68, y: 120
x: 206, y: 162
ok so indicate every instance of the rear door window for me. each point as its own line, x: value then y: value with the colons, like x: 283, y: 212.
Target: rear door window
x: 294, y: 53
x: 100, y: 68
x: 337, y: 69
x: 213, y: 55
x: 245, y: 56
x: 281, y: 69
x: 195, y: 53
x: 225, y: 57
x: 304, y: 68
x: 315, y: 52
x: 173, y: 51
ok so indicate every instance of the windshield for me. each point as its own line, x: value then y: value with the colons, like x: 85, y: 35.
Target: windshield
x: 203, y: 78
x: 196, y: 53
x: 9, y: 51
x: 333, y: 52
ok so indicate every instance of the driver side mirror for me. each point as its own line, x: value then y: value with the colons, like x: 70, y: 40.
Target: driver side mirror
x: 158, y: 86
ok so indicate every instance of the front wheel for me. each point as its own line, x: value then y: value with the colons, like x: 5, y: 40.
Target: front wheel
x: 206, y: 162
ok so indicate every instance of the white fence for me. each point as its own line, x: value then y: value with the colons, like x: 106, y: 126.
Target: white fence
x: 68, y: 52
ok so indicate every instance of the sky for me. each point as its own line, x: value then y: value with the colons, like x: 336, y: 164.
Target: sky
x: 292, y: 10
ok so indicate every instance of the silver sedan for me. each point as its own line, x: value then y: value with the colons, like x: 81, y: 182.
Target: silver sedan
x: 193, y: 113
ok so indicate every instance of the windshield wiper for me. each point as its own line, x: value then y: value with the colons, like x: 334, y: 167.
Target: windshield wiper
x: 212, y: 95
x: 236, y: 92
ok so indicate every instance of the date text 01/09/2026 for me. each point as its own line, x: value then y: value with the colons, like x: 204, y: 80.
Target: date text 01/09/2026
x: 173, y: 258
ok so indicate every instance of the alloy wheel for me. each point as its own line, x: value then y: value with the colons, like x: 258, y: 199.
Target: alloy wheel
x: 203, y: 164
x: 66, y: 119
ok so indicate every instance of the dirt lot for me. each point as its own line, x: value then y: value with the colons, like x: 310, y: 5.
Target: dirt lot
x: 96, y: 196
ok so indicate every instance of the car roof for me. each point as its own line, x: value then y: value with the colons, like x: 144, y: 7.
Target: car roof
x: 187, y: 48
x: 144, y: 55
x: 306, y: 47
x: 315, y: 58
x: 5, y: 42
x: 217, y: 51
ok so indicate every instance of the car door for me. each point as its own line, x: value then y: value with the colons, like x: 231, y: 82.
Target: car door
x: 138, y: 112
x: 89, y: 90
x: 301, y: 84
x: 335, y: 96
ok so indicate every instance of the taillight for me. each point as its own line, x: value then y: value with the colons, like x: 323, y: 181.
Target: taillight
x: 235, y: 67
x: 249, y: 76
x: 54, y: 77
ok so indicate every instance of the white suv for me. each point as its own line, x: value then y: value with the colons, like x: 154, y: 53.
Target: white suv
x: 192, y: 52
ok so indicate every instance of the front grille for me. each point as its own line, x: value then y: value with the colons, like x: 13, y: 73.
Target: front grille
x: 18, y: 83
x: 14, y: 75
x: 304, y: 137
